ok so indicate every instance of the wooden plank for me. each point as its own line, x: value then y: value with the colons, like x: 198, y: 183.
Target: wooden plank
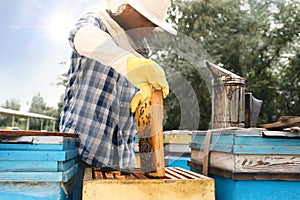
x: 198, y: 141
x: 257, y: 163
x: 252, y: 132
x: 149, y: 189
x: 173, y: 173
x: 266, y: 141
x: 65, y: 165
x: 224, y: 131
x: 120, y: 177
x: 221, y: 160
x: 30, y: 176
x: 28, y: 166
x: 38, y: 155
x: 282, y: 123
x: 108, y: 175
x: 170, y: 176
x: 246, y: 176
x: 35, y: 133
x: 182, y: 173
x: 149, y: 118
x: 193, y: 173
x: 98, y: 175
x: 114, y: 174
x: 267, y: 163
x: 31, y: 191
x: 250, y: 149
x: 198, y: 167
x: 36, y: 166
x: 293, y: 129
x: 281, y: 134
x: 185, y: 173
x: 216, y: 138
x: 206, y: 153
x: 67, y: 175
x: 131, y: 176
x: 88, y: 174
x: 36, y: 139
x: 243, y: 142
x: 38, y: 176
x: 177, y: 138
x: 172, y: 149
x: 28, y: 147
x: 253, y: 149
x: 213, y: 147
x: 227, y: 135
x: 138, y: 173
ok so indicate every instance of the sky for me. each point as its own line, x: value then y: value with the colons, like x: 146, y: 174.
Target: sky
x: 34, y: 44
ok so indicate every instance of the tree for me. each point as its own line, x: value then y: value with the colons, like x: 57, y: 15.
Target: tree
x: 62, y: 82
x: 6, y: 121
x: 53, y: 112
x: 248, y: 38
x: 285, y: 43
x: 39, y: 106
x: 12, y: 104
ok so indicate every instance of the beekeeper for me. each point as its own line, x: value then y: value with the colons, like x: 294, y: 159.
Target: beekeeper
x: 109, y: 76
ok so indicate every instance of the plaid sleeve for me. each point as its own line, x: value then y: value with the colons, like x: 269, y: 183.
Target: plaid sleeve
x: 89, y: 19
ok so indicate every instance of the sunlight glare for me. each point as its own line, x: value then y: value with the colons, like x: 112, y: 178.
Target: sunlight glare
x: 59, y: 26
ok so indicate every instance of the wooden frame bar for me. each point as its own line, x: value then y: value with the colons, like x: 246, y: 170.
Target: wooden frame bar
x: 149, y: 118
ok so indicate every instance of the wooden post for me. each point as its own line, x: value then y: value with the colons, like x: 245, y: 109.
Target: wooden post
x: 206, y: 153
x: 149, y: 117
x: 28, y: 123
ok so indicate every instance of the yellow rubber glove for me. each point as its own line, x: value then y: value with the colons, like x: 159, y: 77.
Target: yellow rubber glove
x: 145, y: 74
x: 142, y: 95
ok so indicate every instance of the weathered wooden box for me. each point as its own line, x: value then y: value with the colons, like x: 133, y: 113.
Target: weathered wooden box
x: 36, y: 165
x: 178, y: 184
x: 249, y: 163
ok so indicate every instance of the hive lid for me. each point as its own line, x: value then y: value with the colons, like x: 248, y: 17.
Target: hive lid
x: 283, y: 134
x: 4, y: 133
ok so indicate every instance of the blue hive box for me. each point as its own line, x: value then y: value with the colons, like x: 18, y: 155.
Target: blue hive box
x: 37, y: 165
x: 249, y: 163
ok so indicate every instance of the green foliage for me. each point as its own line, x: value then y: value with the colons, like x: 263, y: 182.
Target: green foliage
x: 62, y: 80
x: 258, y: 40
x: 39, y: 106
x: 285, y: 39
x: 12, y: 104
x: 6, y: 121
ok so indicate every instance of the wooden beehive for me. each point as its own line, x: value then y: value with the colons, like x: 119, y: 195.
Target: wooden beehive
x: 249, y: 163
x: 149, y: 117
x: 37, y: 165
x: 176, y: 148
x: 152, y: 180
x: 177, y: 183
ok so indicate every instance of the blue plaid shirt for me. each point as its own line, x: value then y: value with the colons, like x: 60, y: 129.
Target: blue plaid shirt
x: 97, y: 107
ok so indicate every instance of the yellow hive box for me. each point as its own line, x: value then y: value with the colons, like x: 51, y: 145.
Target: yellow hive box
x: 178, y: 184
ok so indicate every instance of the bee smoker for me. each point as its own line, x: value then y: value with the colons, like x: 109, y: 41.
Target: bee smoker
x: 231, y: 107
